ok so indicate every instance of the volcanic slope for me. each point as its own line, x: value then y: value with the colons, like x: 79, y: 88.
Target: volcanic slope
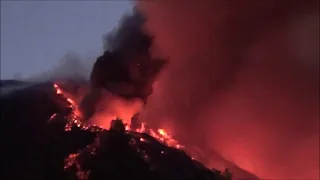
x: 38, y: 148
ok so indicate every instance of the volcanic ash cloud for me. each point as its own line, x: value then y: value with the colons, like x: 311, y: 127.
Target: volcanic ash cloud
x: 243, y: 81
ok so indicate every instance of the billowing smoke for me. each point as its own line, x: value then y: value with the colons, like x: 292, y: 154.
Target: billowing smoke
x: 242, y: 81
x: 128, y: 32
x: 122, y: 78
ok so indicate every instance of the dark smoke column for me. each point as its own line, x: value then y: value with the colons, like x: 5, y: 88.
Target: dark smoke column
x: 126, y: 68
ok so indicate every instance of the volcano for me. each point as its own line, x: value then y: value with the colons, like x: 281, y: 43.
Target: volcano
x: 40, y: 143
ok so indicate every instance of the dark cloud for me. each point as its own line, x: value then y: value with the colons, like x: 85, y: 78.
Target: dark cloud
x: 126, y: 69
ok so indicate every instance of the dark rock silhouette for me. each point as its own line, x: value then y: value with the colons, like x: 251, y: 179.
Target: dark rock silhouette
x: 37, y: 148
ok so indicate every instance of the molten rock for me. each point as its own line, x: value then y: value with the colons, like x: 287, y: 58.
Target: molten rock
x: 117, y: 155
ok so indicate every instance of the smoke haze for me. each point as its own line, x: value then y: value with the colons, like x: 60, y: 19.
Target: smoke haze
x: 242, y: 80
x: 70, y: 67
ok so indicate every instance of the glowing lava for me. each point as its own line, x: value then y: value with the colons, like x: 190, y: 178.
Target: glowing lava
x: 74, y: 119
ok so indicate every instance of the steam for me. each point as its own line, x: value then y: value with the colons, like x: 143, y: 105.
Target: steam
x: 243, y: 80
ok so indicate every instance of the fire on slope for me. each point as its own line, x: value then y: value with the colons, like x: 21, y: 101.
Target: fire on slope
x: 74, y: 119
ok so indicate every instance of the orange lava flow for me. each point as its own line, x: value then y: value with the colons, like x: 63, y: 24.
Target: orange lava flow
x: 75, y: 119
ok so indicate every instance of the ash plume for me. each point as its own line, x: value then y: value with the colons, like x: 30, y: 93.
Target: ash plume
x: 125, y: 73
x: 242, y: 81
x: 127, y: 33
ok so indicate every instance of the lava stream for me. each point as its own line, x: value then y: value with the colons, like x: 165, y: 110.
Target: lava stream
x: 74, y: 119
